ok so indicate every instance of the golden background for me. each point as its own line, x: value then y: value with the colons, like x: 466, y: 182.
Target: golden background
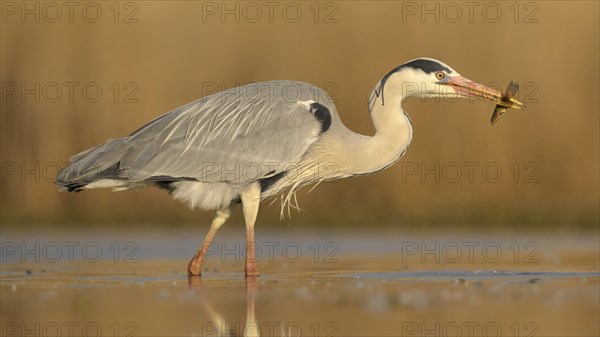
x: 164, y: 55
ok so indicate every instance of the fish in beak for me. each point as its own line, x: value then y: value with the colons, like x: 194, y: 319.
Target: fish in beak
x: 471, y: 89
x: 508, y: 98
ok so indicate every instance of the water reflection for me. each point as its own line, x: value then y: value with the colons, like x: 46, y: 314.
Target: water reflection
x: 251, y: 329
x: 218, y: 324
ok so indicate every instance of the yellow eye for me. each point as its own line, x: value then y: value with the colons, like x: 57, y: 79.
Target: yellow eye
x: 440, y: 75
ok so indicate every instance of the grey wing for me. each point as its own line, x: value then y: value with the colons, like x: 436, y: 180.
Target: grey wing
x: 235, y: 136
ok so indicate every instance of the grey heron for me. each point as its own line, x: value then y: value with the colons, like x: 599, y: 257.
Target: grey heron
x: 262, y: 140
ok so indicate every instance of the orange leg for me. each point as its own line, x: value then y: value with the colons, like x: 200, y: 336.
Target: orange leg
x: 195, y: 265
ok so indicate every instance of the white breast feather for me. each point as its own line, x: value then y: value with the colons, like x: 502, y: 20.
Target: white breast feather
x: 205, y: 196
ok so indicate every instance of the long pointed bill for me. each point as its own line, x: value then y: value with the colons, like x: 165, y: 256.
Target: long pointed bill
x: 472, y: 89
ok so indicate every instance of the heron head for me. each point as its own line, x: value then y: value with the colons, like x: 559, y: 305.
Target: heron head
x: 426, y: 77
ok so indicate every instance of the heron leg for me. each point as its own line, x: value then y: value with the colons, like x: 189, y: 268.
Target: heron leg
x: 250, y: 202
x: 195, y: 265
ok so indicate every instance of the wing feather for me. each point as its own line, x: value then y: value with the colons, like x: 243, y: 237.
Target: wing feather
x: 215, y: 138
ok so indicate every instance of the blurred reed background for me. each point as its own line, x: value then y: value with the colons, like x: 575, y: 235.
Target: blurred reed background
x: 163, y: 54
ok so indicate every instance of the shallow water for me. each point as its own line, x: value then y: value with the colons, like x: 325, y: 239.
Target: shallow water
x: 315, y: 284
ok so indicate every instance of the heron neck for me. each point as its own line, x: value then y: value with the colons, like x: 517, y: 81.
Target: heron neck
x: 392, y: 137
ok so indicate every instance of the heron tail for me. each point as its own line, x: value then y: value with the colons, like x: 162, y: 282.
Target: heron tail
x: 95, y: 167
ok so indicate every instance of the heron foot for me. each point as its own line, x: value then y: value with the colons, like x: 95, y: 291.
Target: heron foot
x: 252, y: 271
x: 195, y: 267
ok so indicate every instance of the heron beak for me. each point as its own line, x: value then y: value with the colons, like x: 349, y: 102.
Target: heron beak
x: 471, y: 89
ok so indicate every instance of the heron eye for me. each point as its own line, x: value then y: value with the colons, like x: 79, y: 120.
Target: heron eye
x: 440, y: 75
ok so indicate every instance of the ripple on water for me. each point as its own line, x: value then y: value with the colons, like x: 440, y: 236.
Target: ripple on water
x: 465, y: 276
